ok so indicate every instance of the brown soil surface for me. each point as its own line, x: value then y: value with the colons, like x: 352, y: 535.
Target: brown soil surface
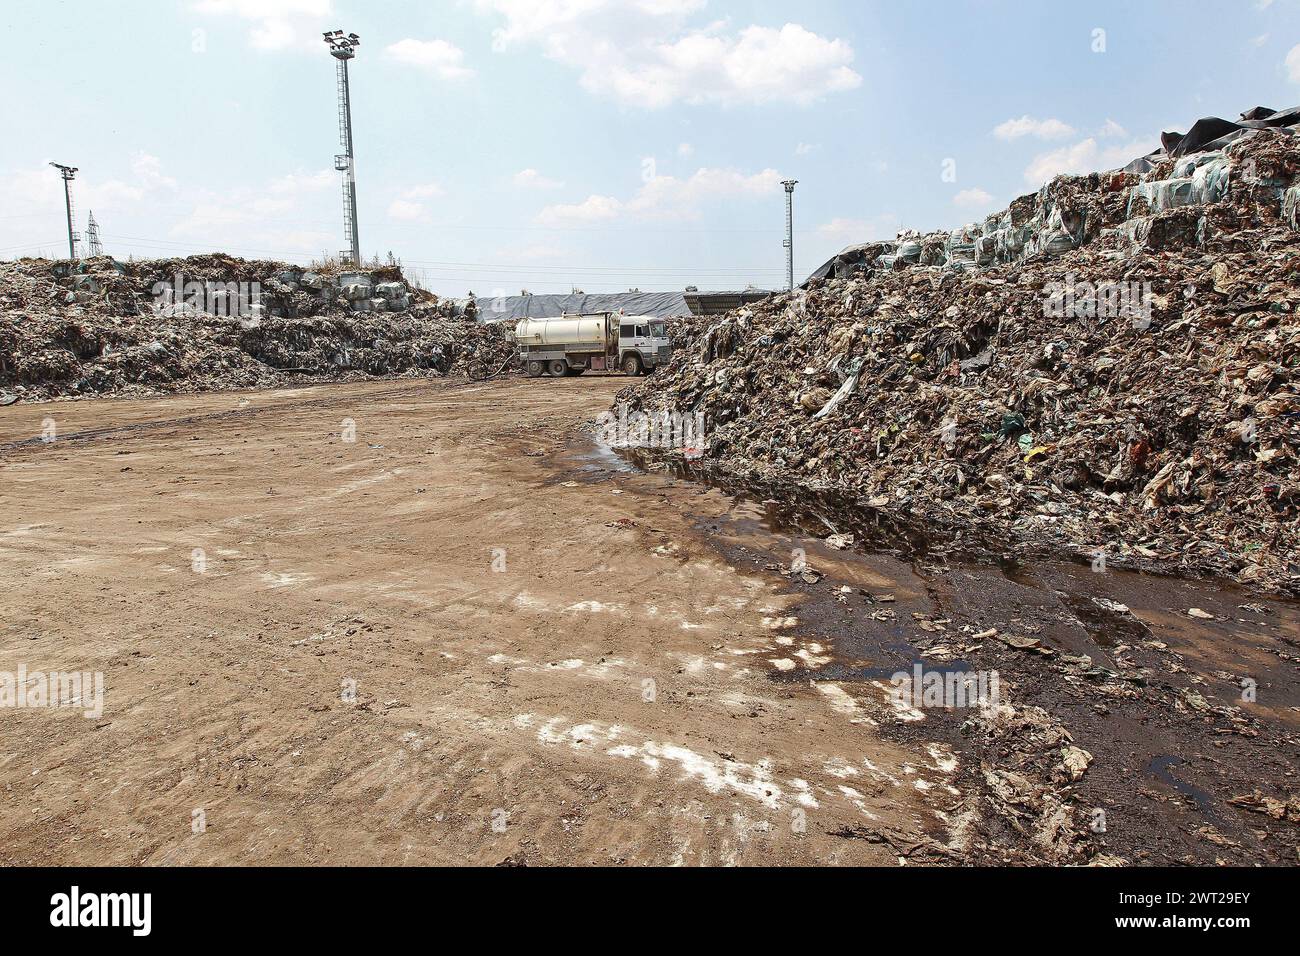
x: 557, y: 659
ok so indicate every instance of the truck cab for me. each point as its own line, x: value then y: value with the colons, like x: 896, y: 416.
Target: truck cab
x: 642, y: 343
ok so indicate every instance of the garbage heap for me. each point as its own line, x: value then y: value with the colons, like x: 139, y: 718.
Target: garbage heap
x: 1127, y: 391
x: 99, y: 327
x: 1165, y: 191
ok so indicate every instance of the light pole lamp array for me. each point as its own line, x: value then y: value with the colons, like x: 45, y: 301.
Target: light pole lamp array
x: 69, y: 173
x: 789, y: 185
x: 344, y: 48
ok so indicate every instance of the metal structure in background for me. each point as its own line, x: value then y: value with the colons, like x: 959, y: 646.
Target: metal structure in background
x: 93, y: 246
x: 343, y: 48
x: 789, y: 185
x: 69, y: 173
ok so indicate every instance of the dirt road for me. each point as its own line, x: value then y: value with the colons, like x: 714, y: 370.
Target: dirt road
x: 425, y: 622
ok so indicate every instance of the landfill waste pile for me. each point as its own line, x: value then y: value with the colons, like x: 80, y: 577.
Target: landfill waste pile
x: 101, y: 327
x: 1109, y: 368
x: 684, y: 329
x: 1071, y: 211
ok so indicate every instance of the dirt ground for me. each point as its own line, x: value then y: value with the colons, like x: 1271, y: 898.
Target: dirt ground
x: 421, y: 622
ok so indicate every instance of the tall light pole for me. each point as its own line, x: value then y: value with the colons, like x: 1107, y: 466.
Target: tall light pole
x: 789, y: 185
x: 343, y: 48
x: 68, y: 173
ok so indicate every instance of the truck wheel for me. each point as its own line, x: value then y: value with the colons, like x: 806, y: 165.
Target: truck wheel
x: 535, y: 369
x: 558, y: 367
x: 632, y: 365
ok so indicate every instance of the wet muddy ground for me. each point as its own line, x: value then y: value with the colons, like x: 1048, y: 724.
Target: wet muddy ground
x: 1185, y: 693
x: 560, y: 656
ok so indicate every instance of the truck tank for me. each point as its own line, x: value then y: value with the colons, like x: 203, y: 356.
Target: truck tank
x: 571, y: 332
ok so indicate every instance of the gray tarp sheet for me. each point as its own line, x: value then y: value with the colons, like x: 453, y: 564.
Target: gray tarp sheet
x: 515, y: 307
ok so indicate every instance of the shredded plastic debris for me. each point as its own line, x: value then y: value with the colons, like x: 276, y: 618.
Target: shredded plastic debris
x: 100, y: 327
x: 1130, y: 397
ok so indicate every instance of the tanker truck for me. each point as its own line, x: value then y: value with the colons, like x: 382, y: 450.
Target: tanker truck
x: 600, y: 341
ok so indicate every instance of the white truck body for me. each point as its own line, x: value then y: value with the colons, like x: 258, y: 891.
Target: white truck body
x: 603, y: 341
x: 578, y: 330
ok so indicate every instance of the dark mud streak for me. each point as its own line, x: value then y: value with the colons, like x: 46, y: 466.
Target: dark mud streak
x: 885, y: 532
x: 1162, y: 771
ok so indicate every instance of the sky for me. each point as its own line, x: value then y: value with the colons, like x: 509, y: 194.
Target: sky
x: 603, y: 145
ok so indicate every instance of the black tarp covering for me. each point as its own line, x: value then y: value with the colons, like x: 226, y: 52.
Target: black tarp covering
x: 1203, y: 132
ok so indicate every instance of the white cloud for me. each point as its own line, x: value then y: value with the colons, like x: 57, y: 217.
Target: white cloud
x: 148, y: 169
x: 437, y: 56
x: 424, y: 191
x: 532, y: 179
x: 213, y: 213
x: 592, y: 209
x: 860, y: 230
x: 1079, y: 158
x: 407, y: 207
x: 1293, y: 64
x: 667, y: 197
x: 972, y: 198
x: 404, y: 210
x: 1259, y: 40
x: 32, y: 202
x: 1028, y: 126
x: 275, y: 219
x: 685, y: 149
x: 642, y: 53
x: 276, y: 24
x: 1111, y: 129
x: 227, y: 216
x: 111, y: 194
x: 536, y: 252
x: 803, y: 149
x: 670, y: 197
x: 831, y: 237
x: 266, y: 206
x: 303, y: 182
x: 760, y: 65
x: 556, y: 23
x: 1085, y: 156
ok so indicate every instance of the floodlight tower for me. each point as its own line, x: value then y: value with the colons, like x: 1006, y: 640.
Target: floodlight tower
x: 789, y: 185
x: 344, y: 48
x: 68, y: 173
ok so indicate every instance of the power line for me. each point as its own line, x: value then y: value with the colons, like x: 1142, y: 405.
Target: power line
x: 599, y: 284
x: 190, y: 208
x: 166, y: 244
x: 590, y: 270
x: 31, y: 245
x: 694, y: 230
x: 487, y: 268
